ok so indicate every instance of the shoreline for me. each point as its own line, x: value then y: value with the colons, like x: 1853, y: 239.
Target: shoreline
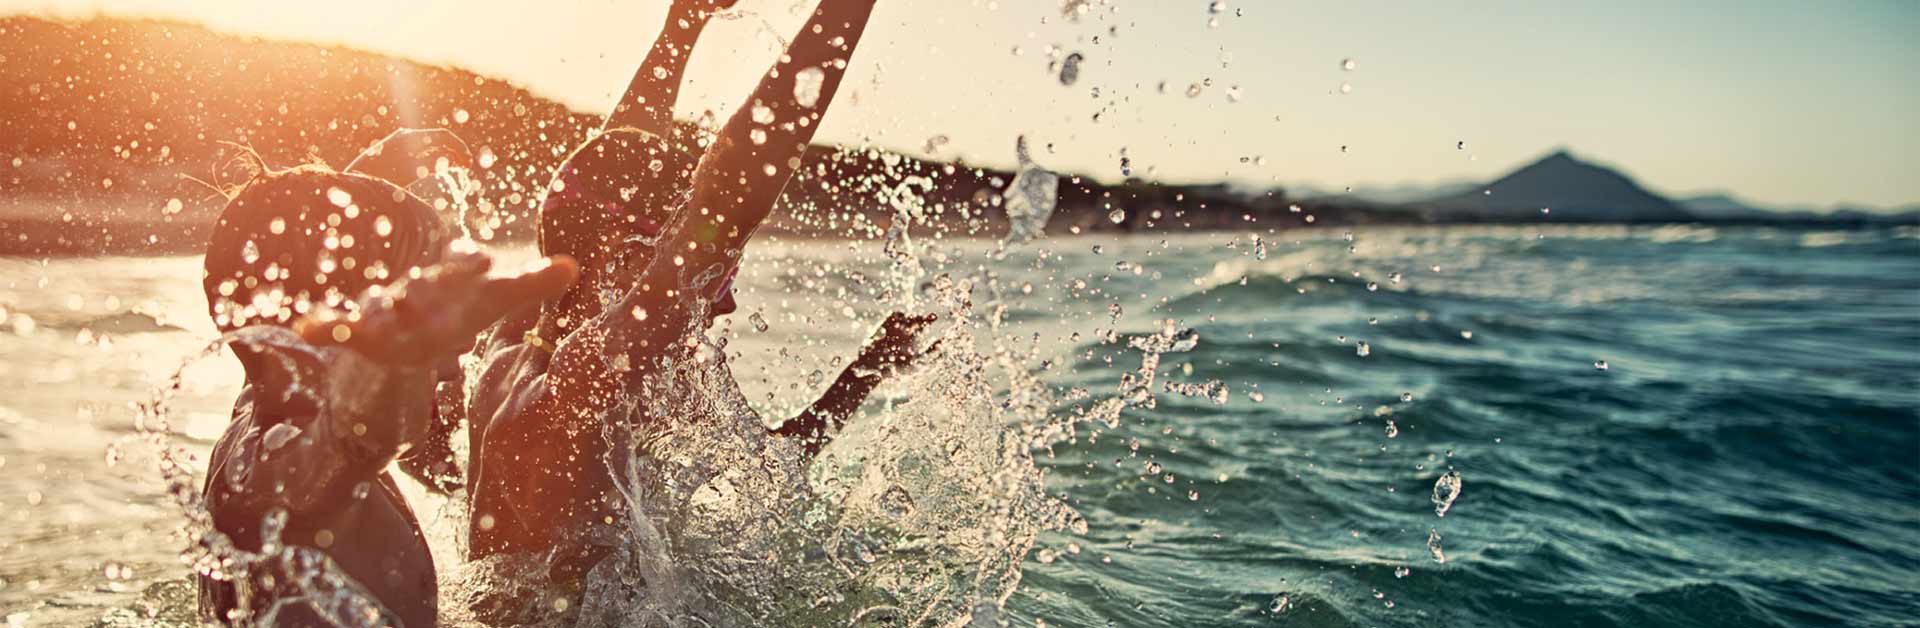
x: 84, y: 240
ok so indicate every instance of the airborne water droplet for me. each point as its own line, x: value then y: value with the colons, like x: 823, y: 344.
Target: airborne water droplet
x: 1184, y: 341
x: 806, y: 86
x: 759, y: 322
x: 1070, y: 69
x: 278, y: 436
x: 1117, y: 216
x: 1433, y: 546
x: 250, y: 252
x: 1445, y: 490
x: 896, y: 502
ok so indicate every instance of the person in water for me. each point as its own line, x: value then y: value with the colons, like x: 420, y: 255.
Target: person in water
x: 658, y: 230
x: 361, y: 269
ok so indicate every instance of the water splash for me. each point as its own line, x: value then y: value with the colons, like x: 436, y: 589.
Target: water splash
x: 806, y: 86
x: 1031, y: 198
x: 1445, y: 491
x: 1070, y: 69
x: 1433, y: 546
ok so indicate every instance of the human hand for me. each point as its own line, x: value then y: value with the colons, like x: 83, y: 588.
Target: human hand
x: 892, y: 346
x: 408, y: 155
x: 416, y: 320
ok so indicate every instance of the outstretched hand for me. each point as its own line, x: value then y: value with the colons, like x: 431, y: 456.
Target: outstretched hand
x: 892, y: 347
x: 413, y: 321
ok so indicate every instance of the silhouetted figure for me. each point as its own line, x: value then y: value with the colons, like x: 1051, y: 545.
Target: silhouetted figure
x: 362, y: 270
x: 658, y: 229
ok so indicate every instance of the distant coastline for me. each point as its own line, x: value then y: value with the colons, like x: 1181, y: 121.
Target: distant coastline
x: 123, y: 119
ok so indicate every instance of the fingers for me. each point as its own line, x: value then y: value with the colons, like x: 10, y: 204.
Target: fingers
x: 905, y: 325
x: 547, y: 278
x: 324, y: 328
x: 447, y: 305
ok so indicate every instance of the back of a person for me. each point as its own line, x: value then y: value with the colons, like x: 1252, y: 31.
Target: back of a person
x: 392, y: 564
x: 291, y: 242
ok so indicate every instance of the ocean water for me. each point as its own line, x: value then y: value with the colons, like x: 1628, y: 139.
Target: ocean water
x: 1649, y: 426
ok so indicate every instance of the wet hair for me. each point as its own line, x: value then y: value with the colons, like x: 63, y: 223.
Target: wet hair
x: 617, y: 185
x: 292, y: 240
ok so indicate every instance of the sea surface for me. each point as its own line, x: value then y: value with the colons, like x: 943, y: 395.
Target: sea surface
x: 1650, y: 426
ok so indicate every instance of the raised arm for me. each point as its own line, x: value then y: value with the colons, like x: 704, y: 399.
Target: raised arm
x: 735, y: 188
x: 648, y: 102
x: 892, y: 347
x: 758, y: 150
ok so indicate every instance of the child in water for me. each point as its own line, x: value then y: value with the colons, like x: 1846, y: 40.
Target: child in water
x: 314, y: 430
x: 319, y: 421
x: 658, y: 230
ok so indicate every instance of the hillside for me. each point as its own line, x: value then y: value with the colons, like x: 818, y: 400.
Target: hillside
x: 110, y: 117
x: 1724, y: 206
x: 1574, y: 191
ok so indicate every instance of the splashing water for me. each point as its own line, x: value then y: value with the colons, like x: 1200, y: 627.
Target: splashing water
x: 1433, y: 546
x: 1070, y: 69
x: 1445, y: 491
x: 925, y: 520
x: 806, y: 86
x: 1031, y: 198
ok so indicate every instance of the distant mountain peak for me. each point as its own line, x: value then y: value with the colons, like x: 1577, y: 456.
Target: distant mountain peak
x: 1573, y: 189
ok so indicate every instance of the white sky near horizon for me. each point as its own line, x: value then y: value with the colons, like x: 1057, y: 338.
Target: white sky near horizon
x: 1780, y: 103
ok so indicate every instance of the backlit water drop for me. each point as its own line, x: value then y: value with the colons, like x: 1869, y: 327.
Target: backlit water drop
x: 1445, y: 491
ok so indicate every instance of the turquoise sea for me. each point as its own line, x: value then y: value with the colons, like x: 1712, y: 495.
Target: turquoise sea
x: 1650, y: 426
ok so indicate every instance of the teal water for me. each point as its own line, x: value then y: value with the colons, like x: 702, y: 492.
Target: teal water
x: 1750, y: 455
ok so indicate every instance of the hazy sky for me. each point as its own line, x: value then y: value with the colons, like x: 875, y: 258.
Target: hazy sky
x: 1804, y: 102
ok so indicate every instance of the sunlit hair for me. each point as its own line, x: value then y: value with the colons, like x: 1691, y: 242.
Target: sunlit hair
x: 304, y: 237
x: 618, y: 185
